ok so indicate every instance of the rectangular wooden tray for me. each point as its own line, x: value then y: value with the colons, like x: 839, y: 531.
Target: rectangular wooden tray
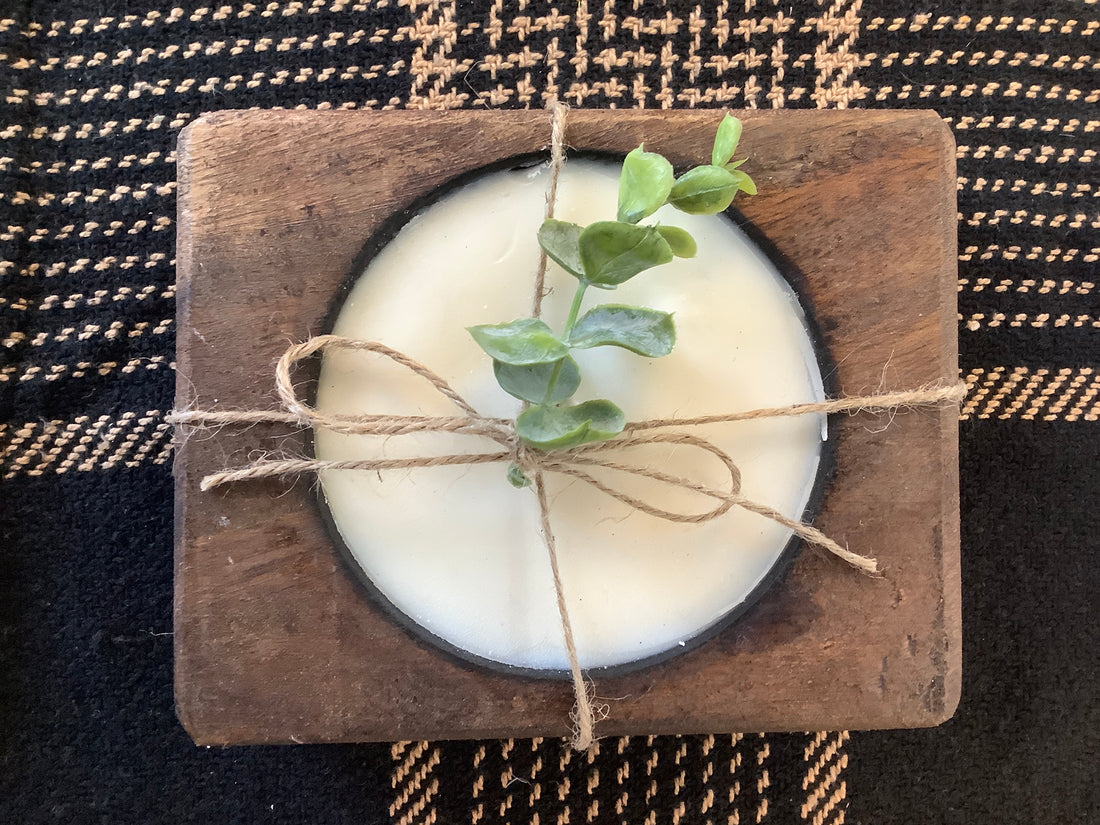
x: 275, y: 643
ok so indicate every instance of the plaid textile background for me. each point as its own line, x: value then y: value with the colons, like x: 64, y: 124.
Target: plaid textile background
x: 94, y: 95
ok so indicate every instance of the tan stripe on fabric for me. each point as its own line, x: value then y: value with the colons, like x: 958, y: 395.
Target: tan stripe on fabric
x: 1033, y: 394
x: 85, y: 165
x: 111, y: 331
x: 84, y: 369
x: 824, y: 761
x: 986, y: 23
x: 1034, y: 253
x: 1026, y: 154
x: 413, y: 784
x: 763, y: 782
x: 989, y: 89
x: 1047, y: 286
x: 1058, y: 189
x: 991, y: 320
x: 91, y: 131
x: 1022, y: 217
x: 203, y: 13
x: 85, y: 443
x: 978, y: 57
x: 88, y: 230
x: 141, y: 192
x: 281, y: 10
x: 49, y: 270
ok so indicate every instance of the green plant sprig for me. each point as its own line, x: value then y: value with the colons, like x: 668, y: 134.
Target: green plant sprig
x: 533, y: 363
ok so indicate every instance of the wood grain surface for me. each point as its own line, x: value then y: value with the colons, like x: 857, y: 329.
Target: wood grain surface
x: 274, y: 642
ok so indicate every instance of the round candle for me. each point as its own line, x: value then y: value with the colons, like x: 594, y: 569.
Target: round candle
x: 457, y: 549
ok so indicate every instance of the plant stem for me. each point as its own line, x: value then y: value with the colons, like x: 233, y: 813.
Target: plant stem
x: 553, y: 382
x: 574, y: 311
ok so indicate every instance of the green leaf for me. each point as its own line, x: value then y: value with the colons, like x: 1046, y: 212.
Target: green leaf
x: 679, y: 240
x: 526, y: 341
x: 559, y: 428
x: 744, y: 182
x: 561, y: 241
x: 725, y: 142
x: 516, y: 477
x: 705, y: 190
x: 531, y: 381
x: 737, y: 164
x: 614, y: 252
x: 648, y: 332
x: 644, y: 185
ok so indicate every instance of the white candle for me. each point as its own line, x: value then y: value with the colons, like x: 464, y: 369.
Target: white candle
x: 457, y: 549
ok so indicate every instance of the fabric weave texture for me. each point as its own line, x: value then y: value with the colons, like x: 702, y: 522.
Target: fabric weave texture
x: 94, y: 95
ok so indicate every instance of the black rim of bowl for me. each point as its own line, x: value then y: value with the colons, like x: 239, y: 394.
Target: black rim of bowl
x: 794, y: 278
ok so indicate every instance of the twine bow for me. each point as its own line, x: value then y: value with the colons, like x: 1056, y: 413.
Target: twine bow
x: 576, y: 462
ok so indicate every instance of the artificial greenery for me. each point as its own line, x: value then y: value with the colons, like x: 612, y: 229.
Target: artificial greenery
x: 533, y: 363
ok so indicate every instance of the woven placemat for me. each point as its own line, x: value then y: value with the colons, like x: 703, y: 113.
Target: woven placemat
x: 94, y: 96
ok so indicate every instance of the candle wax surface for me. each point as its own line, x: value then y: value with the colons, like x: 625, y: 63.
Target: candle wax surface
x: 458, y: 549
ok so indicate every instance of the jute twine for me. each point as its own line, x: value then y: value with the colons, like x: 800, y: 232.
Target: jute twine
x: 535, y: 463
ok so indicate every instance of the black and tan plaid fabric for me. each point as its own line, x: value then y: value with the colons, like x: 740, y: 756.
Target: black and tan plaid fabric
x: 93, y: 96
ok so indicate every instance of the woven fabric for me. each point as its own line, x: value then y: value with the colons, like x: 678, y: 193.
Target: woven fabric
x: 94, y: 95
